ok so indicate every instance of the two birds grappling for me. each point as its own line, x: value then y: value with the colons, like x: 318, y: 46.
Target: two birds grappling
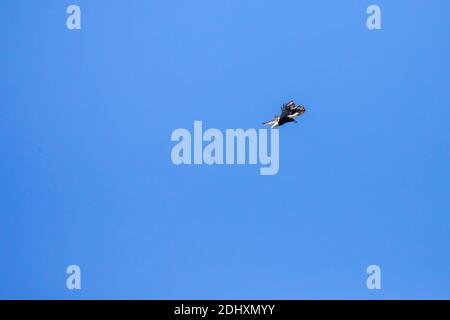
x: 288, y: 112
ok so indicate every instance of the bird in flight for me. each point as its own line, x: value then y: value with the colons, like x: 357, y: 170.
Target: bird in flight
x: 288, y: 112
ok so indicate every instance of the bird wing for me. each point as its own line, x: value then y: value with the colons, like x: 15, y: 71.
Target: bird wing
x: 285, y: 112
x: 290, y: 105
x: 288, y: 108
x: 273, y: 121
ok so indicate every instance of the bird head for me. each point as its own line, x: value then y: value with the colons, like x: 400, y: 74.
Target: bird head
x: 301, y: 109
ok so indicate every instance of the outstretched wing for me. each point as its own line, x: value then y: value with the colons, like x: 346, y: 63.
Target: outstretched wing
x: 287, y: 109
x: 290, y: 105
x: 273, y: 121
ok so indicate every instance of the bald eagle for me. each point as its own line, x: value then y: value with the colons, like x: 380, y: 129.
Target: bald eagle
x: 288, y: 112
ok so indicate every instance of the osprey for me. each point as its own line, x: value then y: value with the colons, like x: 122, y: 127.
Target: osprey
x: 288, y: 112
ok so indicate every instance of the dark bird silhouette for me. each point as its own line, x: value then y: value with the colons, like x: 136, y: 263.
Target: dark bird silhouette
x: 288, y: 112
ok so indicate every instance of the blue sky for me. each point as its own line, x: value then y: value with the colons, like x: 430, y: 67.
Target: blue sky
x: 86, y: 176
